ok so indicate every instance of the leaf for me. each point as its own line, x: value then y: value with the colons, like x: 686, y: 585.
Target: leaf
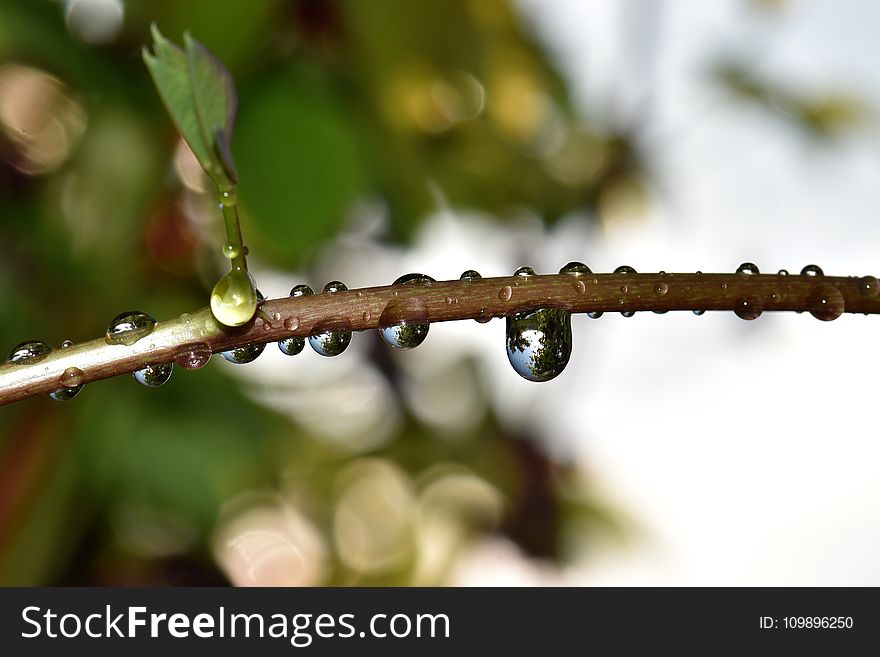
x: 199, y: 94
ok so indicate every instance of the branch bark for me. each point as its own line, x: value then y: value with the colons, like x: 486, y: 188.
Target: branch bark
x: 192, y: 337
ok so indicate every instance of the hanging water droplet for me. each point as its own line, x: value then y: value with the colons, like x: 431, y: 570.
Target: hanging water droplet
x: 627, y: 313
x: 782, y: 272
x: 192, y: 356
x: 406, y: 335
x: 825, y: 302
x: 231, y: 251
x: 65, y: 394
x: 748, y: 308
x: 404, y: 323
x: 699, y: 312
x: 595, y: 314
x: 66, y: 344
x: 246, y: 354
x: 470, y: 275
x: 29, y: 352
x: 624, y: 269
x: 154, y: 375
x: 660, y: 312
x: 869, y: 286
x: 414, y: 279
x: 234, y: 298
x: 328, y: 341
x: 72, y: 377
x: 524, y: 271
x: 661, y: 288
x: 129, y: 327
x: 291, y: 346
x: 539, y: 343
x: 505, y: 293
x: 483, y: 317
x: 748, y: 268
x: 575, y: 268
x: 812, y: 270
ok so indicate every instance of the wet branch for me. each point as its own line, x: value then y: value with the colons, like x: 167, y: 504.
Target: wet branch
x: 189, y: 339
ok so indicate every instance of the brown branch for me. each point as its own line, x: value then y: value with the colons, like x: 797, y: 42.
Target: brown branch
x: 193, y: 336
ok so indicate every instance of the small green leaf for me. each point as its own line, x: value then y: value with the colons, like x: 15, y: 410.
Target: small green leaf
x: 200, y: 97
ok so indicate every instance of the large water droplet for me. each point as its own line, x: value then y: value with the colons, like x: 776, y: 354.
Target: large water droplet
x: 154, y: 375
x: 129, y: 327
x: 595, y: 314
x: 470, y: 275
x: 29, y: 352
x: 782, y: 272
x: 748, y: 308
x: 72, y: 377
x: 245, y: 354
x: 192, y: 356
x: 825, y: 302
x: 699, y: 312
x: 661, y: 288
x: 65, y: 394
x: 404, y: 324
x: 524, y: 271
x: 624, y: 269
x: 575, y: 268
x: 812, y: 270
x: 406, y: 335
x: 291, y: 346
x: 627, y: 313
x: 539, y: 343
x: 231, y: 251
x: 505, y: 293
x: 301, y: 291
x: 869, y: 286
x: 748, y: 268
x: 234, y: 298
x: 328, y: 341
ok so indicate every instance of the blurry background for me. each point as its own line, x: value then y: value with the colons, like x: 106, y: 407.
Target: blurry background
x: 380, y: 138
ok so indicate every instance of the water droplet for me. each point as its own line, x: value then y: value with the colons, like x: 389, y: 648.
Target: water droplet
x: 65, y: 394
x: 335, y: 286
x: 628, y: 313
x: 539, y: 343
x: 405, y: 335
x: 448, y: 301
x: 276, y: 316
x: 661, y: 288
x: 748, y: 308
x: 575, y: 268
x: 231, y: 251
x: 782, y: 272
x: 291, y: 323
x: 154, y: 375
x: 330, y: 342
x: 404, y: 323
x: 869, y: 286
x: 825, y: 302
x: 192, y: 356
x: 699, y: 273
x: 774, y: 297
x: 595, y: 314
x: 624, y: 269
x: 483, y: 317
x: 234, y: 298
x: 29, y: 352
x: 72, y: 377
x: 66, y: 344
x: 291, y: 346
x: 699, y: 312
x: 748, y: 268
x: 367, y: 316
x: 724, y: 286
x: 812, y: 270
x: 414, y: 279
x: 505, y: 293
x: 624, y: 289
x: 524, y: 271
x: 580, y: 287
x: 470, y: 275
x: 301, y: 291
x: 129, y: 327
x: 660, y: 312
x: 246, y: 354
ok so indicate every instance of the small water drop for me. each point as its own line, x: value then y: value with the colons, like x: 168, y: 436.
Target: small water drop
x: 825, y: 302
x: 699, y: 312
x: 448, y: 301
x: 699, y: 273
x: 724, y: 286
x: 414, y: 279
x: 869, y: 286
x: 192, y: 356
x: 367, y: 316
x: 624, y: 269
x: 595, y: 314
x: 31, y: 351
x: 748, y: 308
x: 748, y: 268
x: 505, y: 293
x: 539, y: 343
x: 483, y: 317
x: 154, y: 375
x: 812, y: 270
x: 276, y: 316
x: 782, y: 272
x: 580, y: 287
x: 301, y: 291
x: 291, y: 323
x: 624, y: 289
x: 627, y: 313
x: 231, y: 251
x: 65, y: 394
x: 524, y: 271
x: 72, y: 377
x: 66, y: 344
x: 575, y: 268
x: 661, y: 288
x: 470, y: 275
x: 234, y: 298
x: 292, y: 346
x: 246, y: 354
x: 129, y: 327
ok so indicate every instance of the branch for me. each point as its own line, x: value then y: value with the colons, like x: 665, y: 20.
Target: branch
x: 190, y: 339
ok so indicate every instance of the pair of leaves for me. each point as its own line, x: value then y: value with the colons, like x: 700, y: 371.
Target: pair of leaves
x: 199, y: 94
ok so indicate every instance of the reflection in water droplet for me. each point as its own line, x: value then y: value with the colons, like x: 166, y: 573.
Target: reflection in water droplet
x: 580, y: 287
x: 505, y: 293
x: 234, y: 298
x: 29, y: 352
x: 65, y: 394
x: 192, y: 356
x: 72, y: 377
x: 699, y: 312
x: 524, y: 271
x: 276, y: 316
x: 624, y: 269
x: 825, y: 302
x: 595, y: 314
x: 782, y: 272
x: 748, y: 308
x: 291, y: 323
x: 483, y: 317
x: 331, y: 342
x: 246, y: 354
x: 231, y: 251
x: 869, y: 286
x: 575, y: 268
x: 129, y: 327
x: 539, y: 343
x: 291, y: 346
x: 748, y: 268
x: 470, y: 275
x: 661, y: 288
x: 301, y: 291
x: 628, y: 313
x: 404, y: 323
x: 413, y: 279
x: 812, y: 270
x: 404, y: 335
x: 154, y: 375
x: 66, y: 344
